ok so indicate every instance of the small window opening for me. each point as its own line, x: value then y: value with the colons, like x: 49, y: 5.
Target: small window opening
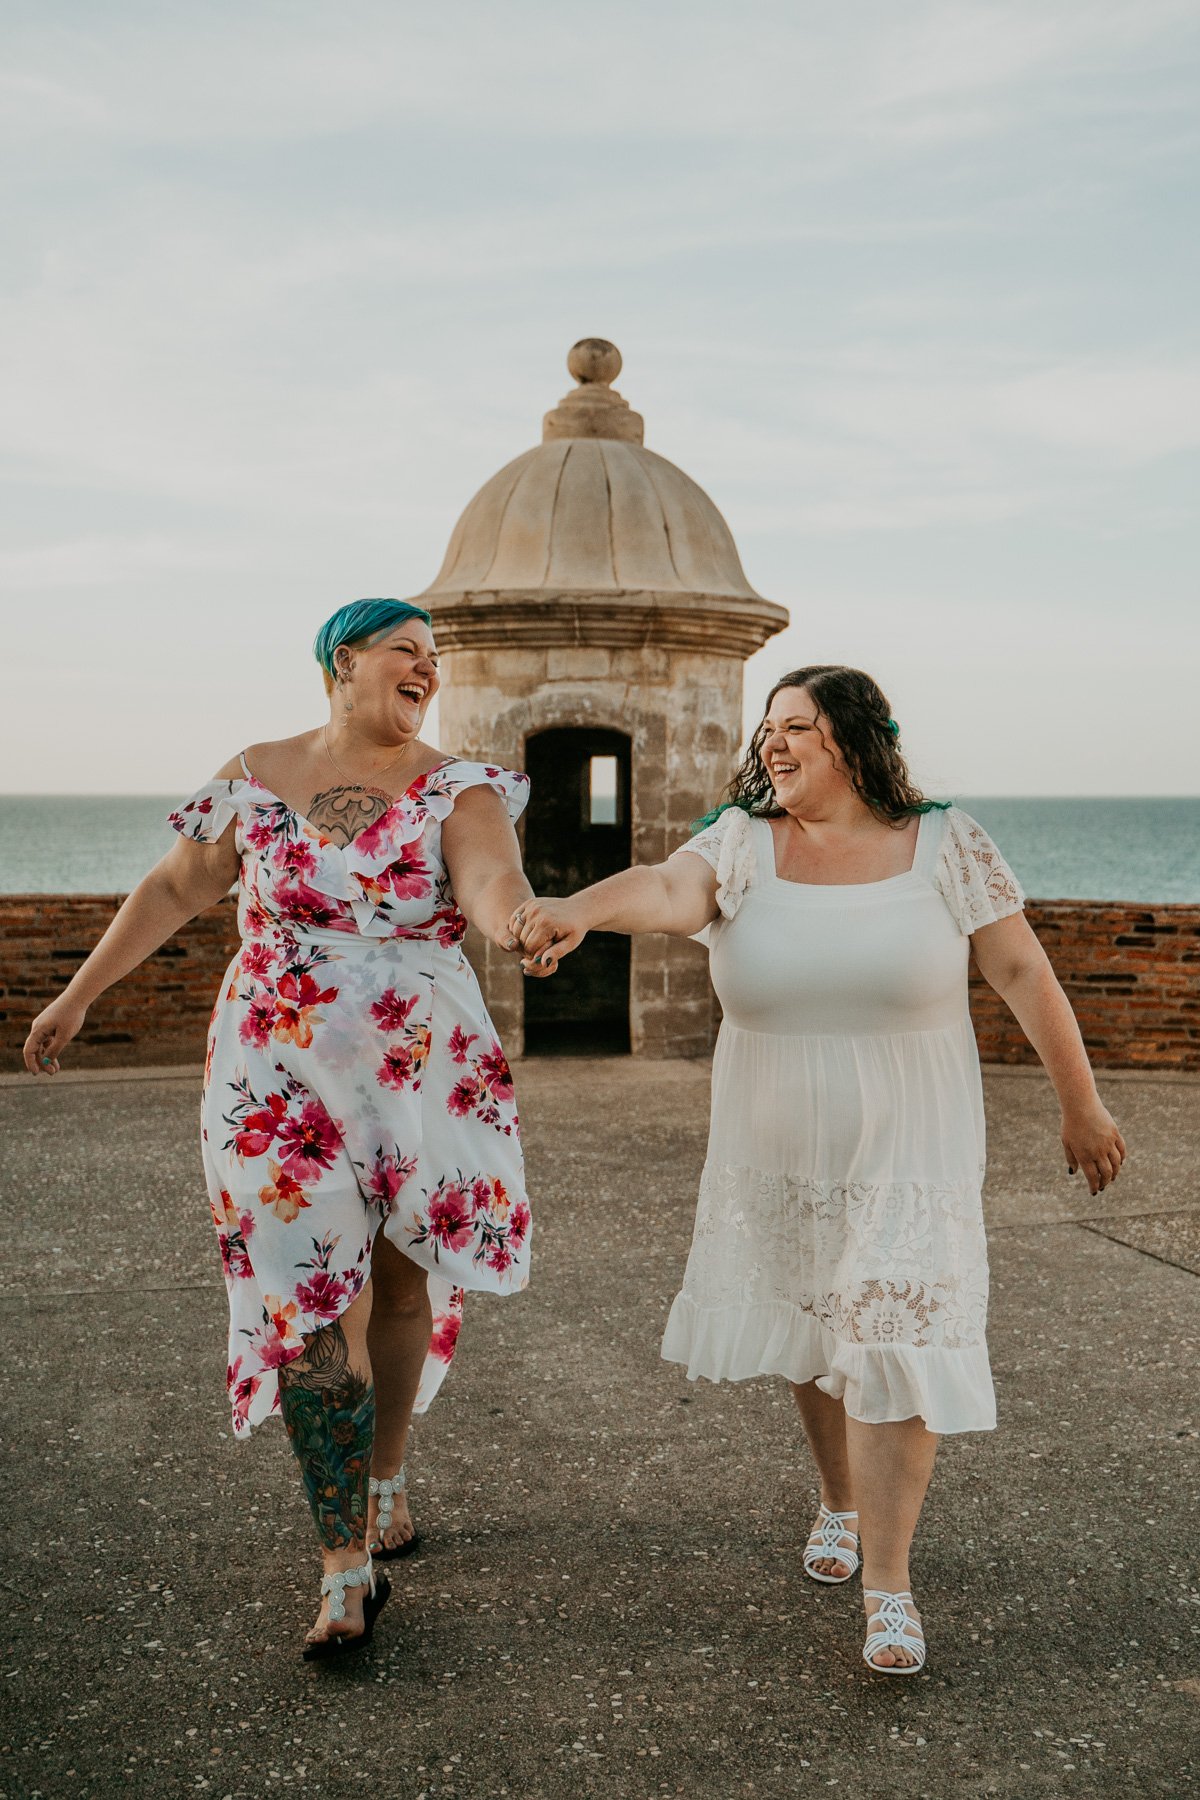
x: 602, y: 790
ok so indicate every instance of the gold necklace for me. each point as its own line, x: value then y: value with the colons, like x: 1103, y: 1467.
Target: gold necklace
x: 359, y: 787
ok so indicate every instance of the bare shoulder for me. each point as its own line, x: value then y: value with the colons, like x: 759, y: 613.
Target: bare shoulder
x: 270, y: 758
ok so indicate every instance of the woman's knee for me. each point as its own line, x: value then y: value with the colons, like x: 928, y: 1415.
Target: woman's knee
x: 401, y: 1287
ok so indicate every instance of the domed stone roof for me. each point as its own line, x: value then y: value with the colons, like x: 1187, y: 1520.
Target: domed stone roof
x: 598, y: 540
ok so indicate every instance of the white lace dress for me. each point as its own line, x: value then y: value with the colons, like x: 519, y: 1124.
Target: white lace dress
x: 839, y: 1233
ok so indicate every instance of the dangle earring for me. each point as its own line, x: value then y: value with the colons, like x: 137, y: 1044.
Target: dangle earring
x: 347, y: 704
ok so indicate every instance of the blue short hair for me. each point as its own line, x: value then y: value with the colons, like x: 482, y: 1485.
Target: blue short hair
x: 359, y: 620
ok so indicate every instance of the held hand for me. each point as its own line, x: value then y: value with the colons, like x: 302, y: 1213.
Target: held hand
x: 50, y: 1033
x: 1093, y: 1144
x: 546, y: 931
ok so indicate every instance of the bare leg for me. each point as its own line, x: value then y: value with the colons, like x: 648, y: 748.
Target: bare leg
x: 328, y: 1404
x: 398, y: 1339
x: 890, y: 1467
x: 824, y: 1421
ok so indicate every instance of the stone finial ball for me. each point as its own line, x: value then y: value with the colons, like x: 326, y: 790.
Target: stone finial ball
x: 594, y: 360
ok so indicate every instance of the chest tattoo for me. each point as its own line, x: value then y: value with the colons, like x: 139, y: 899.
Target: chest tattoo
x: 342, y: 812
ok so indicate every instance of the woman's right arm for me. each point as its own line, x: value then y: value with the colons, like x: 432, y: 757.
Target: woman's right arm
x: 678, y: 897
x: 190, y: 878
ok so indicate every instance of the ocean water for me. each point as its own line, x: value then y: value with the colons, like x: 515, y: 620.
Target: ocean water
x: 1138, y: 849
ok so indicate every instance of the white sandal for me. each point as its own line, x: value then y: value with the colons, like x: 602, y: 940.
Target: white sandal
x: 826, y: 1543
x: 900, y: 1632
x: 385, y: 1492
x: 374, y: 1600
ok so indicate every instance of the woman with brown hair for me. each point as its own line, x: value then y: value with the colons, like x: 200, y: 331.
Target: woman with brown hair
x: 839, y: 1235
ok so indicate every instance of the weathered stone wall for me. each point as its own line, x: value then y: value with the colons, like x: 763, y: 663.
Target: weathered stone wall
x: 682, y: 711
x: 1132, y: 974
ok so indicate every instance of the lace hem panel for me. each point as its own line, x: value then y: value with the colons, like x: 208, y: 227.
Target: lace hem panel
x: 875, y: 1263
x: 951, y: 1390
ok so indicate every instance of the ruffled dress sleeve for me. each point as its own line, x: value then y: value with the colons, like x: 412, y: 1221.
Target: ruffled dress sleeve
x: 727, y: 846
x: 972, y: 877
x: 442, y: 786
x: 206, y: 815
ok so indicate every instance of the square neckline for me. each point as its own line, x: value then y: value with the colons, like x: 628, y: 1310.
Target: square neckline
x: 342, y: 849
x: 921, y: 853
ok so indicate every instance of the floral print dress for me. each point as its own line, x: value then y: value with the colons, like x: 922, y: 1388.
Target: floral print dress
x: 354, y: 1081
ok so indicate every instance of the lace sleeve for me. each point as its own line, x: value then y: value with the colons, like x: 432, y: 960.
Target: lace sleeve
x: 972, y: 877
x: 727, y: 845
x: 204, y: 817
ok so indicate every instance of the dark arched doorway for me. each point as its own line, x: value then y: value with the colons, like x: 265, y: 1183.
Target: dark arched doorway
x: 577, y: 831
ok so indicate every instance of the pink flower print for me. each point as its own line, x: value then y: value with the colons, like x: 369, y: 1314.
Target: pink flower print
x: 279, y: 1341
x: 242, y: 1389
x: 257, y: 961
x: 396, y: 1070
x: 254, y: 919
x: 481, y: 1194
x: 310, y: 1143
x: 408, y: 877
x: 324, y: 1296
x: 258, y: 1129
x: 459, y: 1043
x: 371, y: 841
x: 283, y: 1194
x: 256, y: 1027
x: 235, y: 1257
x: 295, y: 858
x: 449, y: 1220
x: 259, y: 831
x: 496, y: 1073
x: 299, y: 996
x: 518, y: 1224
x: 391, y: 1011
x: 446, y: 1327
x: 303, y: 905
x: 386, y: 1176
x: 451, y: 926
x: 464, y: 1096
x: 498, y: 1258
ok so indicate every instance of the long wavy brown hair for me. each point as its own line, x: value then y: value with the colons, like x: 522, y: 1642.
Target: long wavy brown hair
x: 864, y: 731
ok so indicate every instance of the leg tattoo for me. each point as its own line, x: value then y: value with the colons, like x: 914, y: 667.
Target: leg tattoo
x: 329, y: 1411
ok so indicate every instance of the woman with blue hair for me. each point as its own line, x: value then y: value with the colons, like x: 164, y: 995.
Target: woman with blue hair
x: 359, y: 1135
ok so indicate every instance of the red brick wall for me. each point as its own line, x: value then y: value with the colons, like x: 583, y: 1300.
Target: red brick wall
x: 158, y: 1014
x: 1132, y: 974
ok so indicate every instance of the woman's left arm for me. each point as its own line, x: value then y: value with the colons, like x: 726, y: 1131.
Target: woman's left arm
x: 1013, y: 962
x: 483, y: 861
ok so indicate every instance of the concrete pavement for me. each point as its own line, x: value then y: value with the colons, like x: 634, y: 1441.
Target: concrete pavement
x: 610, y: 1598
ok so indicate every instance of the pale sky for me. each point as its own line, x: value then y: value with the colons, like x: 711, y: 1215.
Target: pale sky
x: 909, y: 288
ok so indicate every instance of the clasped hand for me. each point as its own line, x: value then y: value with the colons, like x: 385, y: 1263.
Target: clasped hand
x: 546, y: 930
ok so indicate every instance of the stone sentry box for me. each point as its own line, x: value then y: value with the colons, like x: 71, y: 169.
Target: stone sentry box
x: 591, y: 587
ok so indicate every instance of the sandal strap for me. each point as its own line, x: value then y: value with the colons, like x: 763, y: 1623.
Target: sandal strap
x: 386, y: 1491
x: 825, y: 1539
x: 900, y: 1631
x: 335, y: 1586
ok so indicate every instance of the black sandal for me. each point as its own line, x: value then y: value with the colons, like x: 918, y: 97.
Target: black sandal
x: 374, y: 1601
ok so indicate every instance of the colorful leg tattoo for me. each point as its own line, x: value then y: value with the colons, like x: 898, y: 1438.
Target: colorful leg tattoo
x: 329, y: 1411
